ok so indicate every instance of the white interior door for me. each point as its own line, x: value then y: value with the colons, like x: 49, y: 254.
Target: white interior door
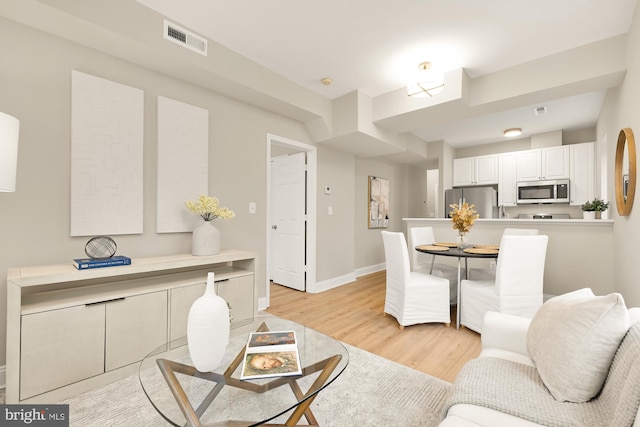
x: 288, y: 184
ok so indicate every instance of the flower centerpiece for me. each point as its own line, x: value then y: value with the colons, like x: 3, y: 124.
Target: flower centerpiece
x: 206, y: 237
x: 463, y: 216
x: 207, y: 207
x: 590, y: 208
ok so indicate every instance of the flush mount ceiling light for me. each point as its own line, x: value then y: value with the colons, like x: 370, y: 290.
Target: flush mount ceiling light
x: 426, y: 82
x: 512, y: 132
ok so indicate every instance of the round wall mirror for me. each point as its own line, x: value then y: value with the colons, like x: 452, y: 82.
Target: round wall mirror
x: 625, y: 172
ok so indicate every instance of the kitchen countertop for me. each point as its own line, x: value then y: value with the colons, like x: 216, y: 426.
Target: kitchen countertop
x: 513, y: 221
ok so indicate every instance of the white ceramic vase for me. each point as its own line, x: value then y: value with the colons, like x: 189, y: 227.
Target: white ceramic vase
x: 208, y: 329
x: 205, y: 239
x: 589, y: 214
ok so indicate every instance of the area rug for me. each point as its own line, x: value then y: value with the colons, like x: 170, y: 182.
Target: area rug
x: 372, y: 391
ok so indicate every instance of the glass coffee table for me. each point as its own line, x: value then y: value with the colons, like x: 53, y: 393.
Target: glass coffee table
x: 186, y: 397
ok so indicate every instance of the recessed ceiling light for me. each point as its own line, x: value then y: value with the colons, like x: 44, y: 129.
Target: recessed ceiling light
x: 326, y: 81
x: 512, y: 132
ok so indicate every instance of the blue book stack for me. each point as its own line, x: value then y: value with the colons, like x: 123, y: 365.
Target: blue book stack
x: 87, y: 263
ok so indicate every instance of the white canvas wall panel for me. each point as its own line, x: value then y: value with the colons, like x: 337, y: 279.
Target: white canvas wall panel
x: 107, y: 131
x: 183, y: 166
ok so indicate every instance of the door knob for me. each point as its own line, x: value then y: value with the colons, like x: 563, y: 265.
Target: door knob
x: 275, y: 227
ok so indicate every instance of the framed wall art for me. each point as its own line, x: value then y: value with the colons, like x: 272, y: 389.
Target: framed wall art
x: 378, y: 202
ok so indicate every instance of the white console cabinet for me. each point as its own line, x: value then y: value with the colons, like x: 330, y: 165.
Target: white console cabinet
x: 69, y: 331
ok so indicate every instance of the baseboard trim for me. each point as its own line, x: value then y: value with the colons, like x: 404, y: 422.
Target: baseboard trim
x: 325, y: 285
x: 335, y: 282
x: 370, y: 269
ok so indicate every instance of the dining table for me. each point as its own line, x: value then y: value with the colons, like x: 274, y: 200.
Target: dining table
x: 454, y: 250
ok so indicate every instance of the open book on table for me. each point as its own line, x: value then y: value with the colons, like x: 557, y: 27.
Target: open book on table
x: 271, y: 354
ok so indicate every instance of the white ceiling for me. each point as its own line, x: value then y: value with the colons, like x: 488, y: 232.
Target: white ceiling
x: 374, y: 45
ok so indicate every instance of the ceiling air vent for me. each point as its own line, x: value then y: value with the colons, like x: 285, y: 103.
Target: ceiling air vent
x: 185, y: 38
x: 540, y: 111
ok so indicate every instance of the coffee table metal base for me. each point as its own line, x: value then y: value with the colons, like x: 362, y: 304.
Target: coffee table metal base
x: 169, y: 369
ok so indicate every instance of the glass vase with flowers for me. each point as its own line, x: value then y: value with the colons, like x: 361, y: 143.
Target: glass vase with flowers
x: 463, y: 216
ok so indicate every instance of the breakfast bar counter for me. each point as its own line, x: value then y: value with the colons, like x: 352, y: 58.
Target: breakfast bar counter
x: 579, y: 254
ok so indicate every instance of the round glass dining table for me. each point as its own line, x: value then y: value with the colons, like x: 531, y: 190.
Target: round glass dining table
x: 471, y: 251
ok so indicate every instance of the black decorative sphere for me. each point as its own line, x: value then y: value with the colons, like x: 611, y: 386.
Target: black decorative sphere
x: 100, y: 247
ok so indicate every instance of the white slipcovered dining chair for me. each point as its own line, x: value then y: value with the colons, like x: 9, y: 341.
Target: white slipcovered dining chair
x: 517, y: 288
x: 490, y: 273
x: 421, y: 262
x: 412, y: 297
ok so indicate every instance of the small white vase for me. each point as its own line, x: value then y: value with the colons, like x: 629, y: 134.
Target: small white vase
x: 208, y: 329
x: 588, y: 214
x: 205, y: 239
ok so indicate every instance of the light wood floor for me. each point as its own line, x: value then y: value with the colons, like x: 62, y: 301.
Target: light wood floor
x: 353, y: 313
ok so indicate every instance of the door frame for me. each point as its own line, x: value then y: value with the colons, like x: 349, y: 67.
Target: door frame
x: 311, y: 191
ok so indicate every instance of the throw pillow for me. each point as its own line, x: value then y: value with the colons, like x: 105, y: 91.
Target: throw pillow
x: 572, y: 340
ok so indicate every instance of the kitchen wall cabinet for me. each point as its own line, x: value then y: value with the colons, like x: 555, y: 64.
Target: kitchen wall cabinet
x: 69, y: 331
x: 507, y: 178
x: 481, y: 170
x: 582, y: 173
x: 543, y: 164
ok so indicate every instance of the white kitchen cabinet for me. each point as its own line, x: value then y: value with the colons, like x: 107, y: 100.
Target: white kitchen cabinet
x: 480, y: 170
x: 582, y: 173
x: 463, y: 171
x: 69, y: 331
x: 555, y: 162
x: 543, y: 164
x: 507, y: 190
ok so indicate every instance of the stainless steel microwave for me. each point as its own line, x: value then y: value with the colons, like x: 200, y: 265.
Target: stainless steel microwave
x: 552, y: 191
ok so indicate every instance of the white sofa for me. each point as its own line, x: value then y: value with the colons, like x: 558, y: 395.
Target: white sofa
x: 504, y: 337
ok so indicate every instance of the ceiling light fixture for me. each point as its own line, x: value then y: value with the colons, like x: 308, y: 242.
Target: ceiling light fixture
x: 509, y: 133
x: 326, y: 81
x: 426, y: 82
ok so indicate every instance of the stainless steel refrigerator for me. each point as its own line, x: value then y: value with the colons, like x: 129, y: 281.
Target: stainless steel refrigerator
x: 485, y: 200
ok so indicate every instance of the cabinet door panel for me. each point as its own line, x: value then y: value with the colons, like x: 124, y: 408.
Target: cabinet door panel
x: 135, y: 326
x: 507, y: 191
x: 181, y: 301
x: 528, y: 165
x: 486, y: 170
x: 238, y: 292
x: 463, y: 171
x: 582, y: 173
x: 60, y: 347
x: 555, y: 162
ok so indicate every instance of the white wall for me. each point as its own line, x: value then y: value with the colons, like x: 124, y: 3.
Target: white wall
x: 621, y: 110
x: 34, y: 221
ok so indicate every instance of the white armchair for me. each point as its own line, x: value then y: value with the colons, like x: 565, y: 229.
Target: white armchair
x: 422, y: 262
x: 490, y: 273
x: 412, y: 297
x: 517, y: 288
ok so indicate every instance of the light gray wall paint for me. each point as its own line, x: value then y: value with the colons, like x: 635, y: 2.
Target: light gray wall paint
x: 620, y: 110
x: 34, y: 222
x: 335, y: 233
x: 368, y: 242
